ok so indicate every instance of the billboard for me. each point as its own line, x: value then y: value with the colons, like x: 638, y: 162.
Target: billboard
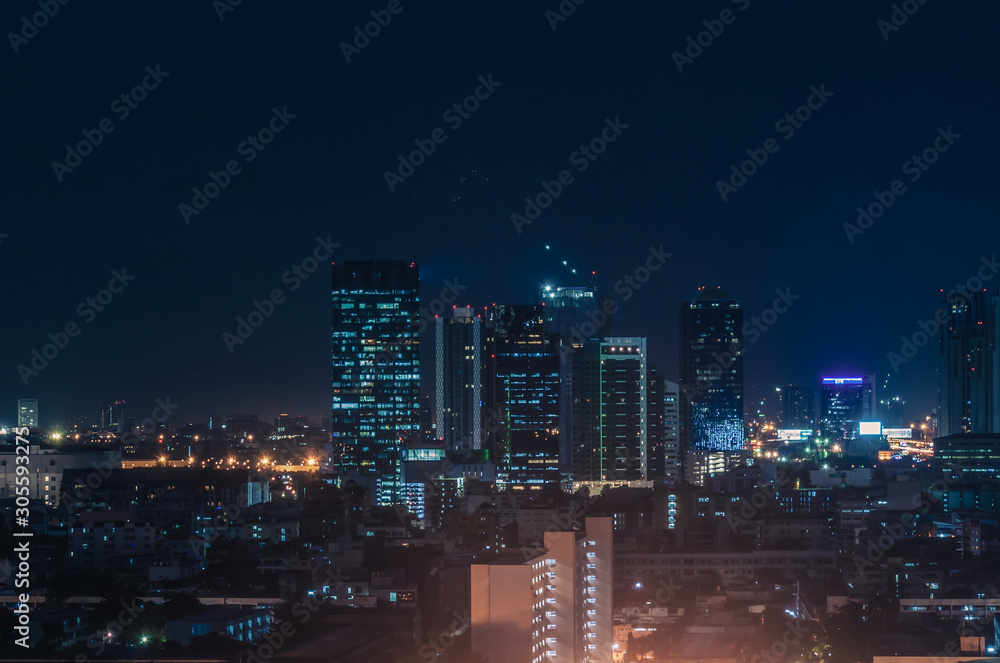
x: 898, y: 433
x: 794, y: 434
x: 870, y: 428
x: 843, y: 380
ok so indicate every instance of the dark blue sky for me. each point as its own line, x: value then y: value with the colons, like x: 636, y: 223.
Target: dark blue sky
x: 324, y: 176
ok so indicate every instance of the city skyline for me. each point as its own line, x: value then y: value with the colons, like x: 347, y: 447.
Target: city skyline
x: 655, y: 186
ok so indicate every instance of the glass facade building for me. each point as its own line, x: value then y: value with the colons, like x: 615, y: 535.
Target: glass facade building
x: 711, y: 361
x: 376, y: 371
x: 845, y: 403
x: 458, y: 345
x: 522, y: 387
x: 969, y: 365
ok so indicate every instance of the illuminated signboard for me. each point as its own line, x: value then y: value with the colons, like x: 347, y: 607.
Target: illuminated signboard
x: 843, y: 380
x: 793, y: 434
x: 870, y: 428
x: 424, y: 454
x: 898, y: 433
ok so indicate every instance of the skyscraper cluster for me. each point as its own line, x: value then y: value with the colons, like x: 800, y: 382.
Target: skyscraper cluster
x: 545, y: 390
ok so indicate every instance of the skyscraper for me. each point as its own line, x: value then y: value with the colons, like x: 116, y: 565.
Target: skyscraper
x: 584, y: 412
x: 672, y: 467
x: 376, y: 370
x: 623, y: 408
x: 27, y: 413
x: 522, y: 387
x: 574, y: 315
x: 844, y: 403
x: 655, y: 413
x: 610, y: 411
x: 711, y: 361
x: 969, y: 366
x: 112, y: 417
x: 458, y: 345
x: 798, y: 407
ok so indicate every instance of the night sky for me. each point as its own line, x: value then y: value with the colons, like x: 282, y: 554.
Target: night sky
x: 323, y: 176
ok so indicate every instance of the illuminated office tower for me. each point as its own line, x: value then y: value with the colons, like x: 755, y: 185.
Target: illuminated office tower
x: 458, y: 345
x: 672, y: 468
x: 584, y: 411
x: 844, y: 403
x: 624, y: 408
x: 576, y: 315
x: 969, y: 366
x: 376, y: 370
x: 798, y: 407
x: 27, y: 413
x: 655, y: 421
x: 521, y: 383
x: 610, y: 410
x: 112, y: 417
x: 711, y: 361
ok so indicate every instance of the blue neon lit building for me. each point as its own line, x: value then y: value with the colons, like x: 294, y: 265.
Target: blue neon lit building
x: 711, y: 360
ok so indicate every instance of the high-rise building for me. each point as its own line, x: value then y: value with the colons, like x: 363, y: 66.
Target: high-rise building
x: 610, y: 411
x: 672, y: 467
x: 112, y: 417
x: 655, y: 413
x: 553, y: 604
x: 522, y: 387
x: 711, y: 361
x: 458, y: 345
x: 969, y: 366
x: 844, y: 403
x: 624, y: 408
x: 585, y: 413
x: 27, y: 413
x: 798, y: 407
x: 376, y: 370
x: 574, y: 315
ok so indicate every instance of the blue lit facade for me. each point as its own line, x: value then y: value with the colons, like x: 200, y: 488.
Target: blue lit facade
x: 376, y: 371
x: 711, y: 358
x: 841, y: 406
